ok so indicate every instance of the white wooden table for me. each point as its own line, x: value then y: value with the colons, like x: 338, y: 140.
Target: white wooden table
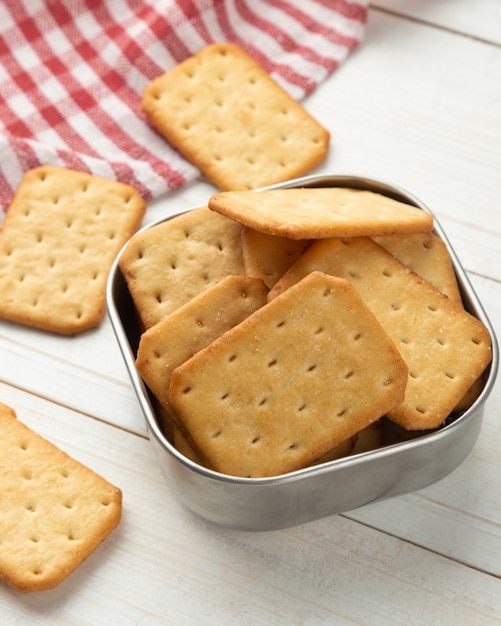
x: 418, y: 105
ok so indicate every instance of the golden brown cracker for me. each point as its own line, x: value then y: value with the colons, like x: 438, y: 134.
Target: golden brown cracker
x: 341, y: 451
x: 59, y: 238
x: 268, y: 257
x: 445, y: 347
x: 470, y: 396
x: 54, y: 510
x: 193, y: 326
x: 369, y: 438
x: 289, y: 383
x: 232, y: 120
x: 182, y: 445
x: 427, y: 255
x: 168, y: 264
x: 318, y: 213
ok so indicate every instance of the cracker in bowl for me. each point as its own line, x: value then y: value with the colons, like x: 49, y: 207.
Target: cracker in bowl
x: 319, y: 213
x: 445, y: 348
x: 193, y: 326
x: 169, y: 264
x: 292, y: 381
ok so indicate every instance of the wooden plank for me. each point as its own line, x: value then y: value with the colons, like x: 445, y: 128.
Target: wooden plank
x: 482, y: 20
x: 165, y: 565
x: 479, y: 251
x: 86, y: 372
x: 427, y: 118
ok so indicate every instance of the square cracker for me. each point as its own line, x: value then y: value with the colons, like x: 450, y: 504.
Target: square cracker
x: 166, y: 265
x: 183, y: 446
x: 233, y: 121
x: 59, y: 238
x: 446, y: 349
x: 54, y: 511
x: 194, y: 325
x: 427, y: 255
x: 318, y: 213
x: 292, y: 381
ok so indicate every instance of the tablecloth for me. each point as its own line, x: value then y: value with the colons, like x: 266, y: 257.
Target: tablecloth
x: 72, y: 73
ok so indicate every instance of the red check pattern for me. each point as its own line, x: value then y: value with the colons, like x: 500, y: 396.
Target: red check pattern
x: 72, y: 73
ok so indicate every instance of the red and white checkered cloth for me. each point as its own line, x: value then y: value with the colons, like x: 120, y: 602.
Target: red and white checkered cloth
x: 72, y: 73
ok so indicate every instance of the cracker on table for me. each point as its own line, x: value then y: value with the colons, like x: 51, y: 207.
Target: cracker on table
x: 233, y: 121
x: 59, y: 238
x: 54, y: 511
x: 446, y: 349
x: 194, y: 325
x: 427, y: 255
x: 268, y: 257
x: 318, y: 213
x: 166, y: 265
x: 292, y: 381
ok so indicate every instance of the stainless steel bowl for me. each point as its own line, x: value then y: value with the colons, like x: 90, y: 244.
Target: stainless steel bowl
x: 312, y: 493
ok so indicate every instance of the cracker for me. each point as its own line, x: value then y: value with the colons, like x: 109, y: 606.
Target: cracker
x: 192, y: 327
x: 342, y: 450
x: 166, y: 265
x: 54, y: 510
x: 268, y: 257
x: 369, y: 438
x: 167, y: 422
x: 295, y: 379
x: 470, y: 396
x: 427, y: 255
x: 232, y: 120
x: 59, y: 238
x: 445, y: 348
x: 303, y: 213
x: 183, y: 446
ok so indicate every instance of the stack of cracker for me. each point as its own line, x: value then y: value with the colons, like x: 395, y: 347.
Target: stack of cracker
x: 290, y: 355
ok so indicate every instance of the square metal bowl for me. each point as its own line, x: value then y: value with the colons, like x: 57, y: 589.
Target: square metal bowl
x: 281, y: 501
